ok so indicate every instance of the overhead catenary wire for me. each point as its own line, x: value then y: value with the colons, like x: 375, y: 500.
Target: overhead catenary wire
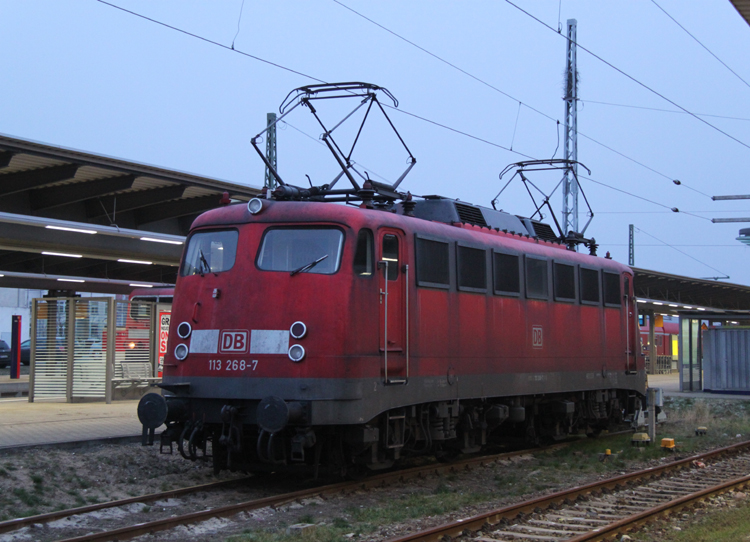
x: 520, y: 102
x: 673, y: 247
x: 402, y: 111
x: 701, y: 44
x: 239, y: 20
x: 663, y: 110
x: 655, y: 245
x: 212, y: 42
x: 636, y: 81
x: 662, y: 212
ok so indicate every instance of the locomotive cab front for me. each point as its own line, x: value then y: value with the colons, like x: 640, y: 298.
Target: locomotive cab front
x: 272, y: 331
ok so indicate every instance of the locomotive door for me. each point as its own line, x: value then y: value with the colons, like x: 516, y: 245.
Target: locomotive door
x: 393, y: 283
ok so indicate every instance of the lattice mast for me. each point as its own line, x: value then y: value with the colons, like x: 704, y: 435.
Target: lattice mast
x: 270, y: 181
x: 570, y: 182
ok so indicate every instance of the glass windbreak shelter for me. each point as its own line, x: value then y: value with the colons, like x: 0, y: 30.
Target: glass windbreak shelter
x: 92, y: 349
x: 692, y: 332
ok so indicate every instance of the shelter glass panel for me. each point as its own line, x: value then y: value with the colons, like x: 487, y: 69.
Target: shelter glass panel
x: 89, y: 354
x: 50, y: 360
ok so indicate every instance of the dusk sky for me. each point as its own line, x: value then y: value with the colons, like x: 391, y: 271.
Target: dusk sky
x: 83, y: 74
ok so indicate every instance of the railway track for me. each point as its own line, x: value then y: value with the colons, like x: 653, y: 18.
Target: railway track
x: 279, y: 500
x: 604, y: 509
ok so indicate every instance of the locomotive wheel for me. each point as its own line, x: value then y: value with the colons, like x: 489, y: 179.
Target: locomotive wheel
x: 447, y: 455
x: 219, y: 452
x: 356, y: 472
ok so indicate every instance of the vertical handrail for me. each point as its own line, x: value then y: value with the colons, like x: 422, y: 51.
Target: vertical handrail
x: 385, y: 333
x: 627, y: 330
x: 406, y: 290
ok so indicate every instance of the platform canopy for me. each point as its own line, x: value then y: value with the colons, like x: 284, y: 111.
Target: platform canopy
x: 743, y: 7
x: 674, y: 294
x: 71, y: 220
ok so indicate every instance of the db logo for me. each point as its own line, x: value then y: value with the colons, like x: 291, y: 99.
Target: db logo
x: 233, y: 341
x: 537, y: 339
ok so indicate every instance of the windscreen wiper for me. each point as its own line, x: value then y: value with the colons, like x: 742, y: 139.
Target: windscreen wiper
x: 308, y: 266
x: 202, y: 261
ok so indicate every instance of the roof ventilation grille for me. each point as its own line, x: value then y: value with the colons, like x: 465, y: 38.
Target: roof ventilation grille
x: 469, y: 214
x: 544, y: 231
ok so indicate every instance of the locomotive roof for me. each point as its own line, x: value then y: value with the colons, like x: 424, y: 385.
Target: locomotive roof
x: 433, y: 216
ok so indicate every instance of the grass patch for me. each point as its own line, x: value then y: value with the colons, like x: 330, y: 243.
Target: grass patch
x: 721, y: 525
x: 29, y: 499
x: 321, y: 533
x: 416, y: 505
x: 341, y: 523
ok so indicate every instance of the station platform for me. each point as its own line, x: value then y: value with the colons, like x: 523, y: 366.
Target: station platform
x: 43, y: 423
x: 14, y: 388
x: 50, y: 423
x: 671, y: 385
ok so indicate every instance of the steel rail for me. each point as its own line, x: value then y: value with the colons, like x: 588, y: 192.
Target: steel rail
x: 475, y: 523
x: 14, y: 524
x: 367, y: 483
x: 380, y: 480
x: 631, y: 522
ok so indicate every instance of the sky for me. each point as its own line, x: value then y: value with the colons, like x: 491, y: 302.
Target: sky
x: 485, y: 78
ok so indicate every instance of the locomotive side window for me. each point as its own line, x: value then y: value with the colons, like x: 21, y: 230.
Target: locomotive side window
x: 536, y: 278
x: 363, y: 254
x: 507, y: 274
x: 565, y: 282
x: 390, y: 254
x: 612, y: 294
x: 472, y: 269
x: 433, y: 263
x: 210, y: 252
x: 301, y: 250
x: 589, y: 286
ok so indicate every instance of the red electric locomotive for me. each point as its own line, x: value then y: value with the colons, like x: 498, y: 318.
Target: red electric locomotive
x: 313, y: 332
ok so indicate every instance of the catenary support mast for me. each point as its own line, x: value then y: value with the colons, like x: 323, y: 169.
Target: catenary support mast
x: 270, y: 181
x: 570, y: 183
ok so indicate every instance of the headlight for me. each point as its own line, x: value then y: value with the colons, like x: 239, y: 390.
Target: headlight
x: 181, y: 351
x: 298, y: 330
x: 297, y: 353
x: 255, y: 205
x: 183, y: 330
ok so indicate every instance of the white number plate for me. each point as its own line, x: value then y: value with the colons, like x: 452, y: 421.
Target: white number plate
x: 232, y: 365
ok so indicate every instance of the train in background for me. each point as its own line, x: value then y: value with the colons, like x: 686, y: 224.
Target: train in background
x: 667, y: 342
x: 309, y: 332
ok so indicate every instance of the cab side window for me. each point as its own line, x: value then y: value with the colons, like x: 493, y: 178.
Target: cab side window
x: 390, y: 255
x: 363, y: 254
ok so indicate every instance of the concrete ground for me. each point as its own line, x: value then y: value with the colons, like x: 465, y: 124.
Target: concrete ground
x: 23, y: 423
x: 671, y: 386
